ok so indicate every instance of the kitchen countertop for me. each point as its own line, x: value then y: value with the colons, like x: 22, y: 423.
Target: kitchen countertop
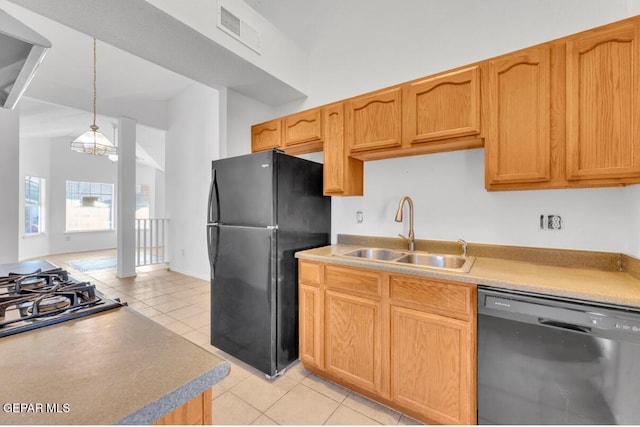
x: 114, y: 367
x: 619, y: 288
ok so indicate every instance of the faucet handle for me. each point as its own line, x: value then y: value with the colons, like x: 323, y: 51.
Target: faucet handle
x: 464, y: 247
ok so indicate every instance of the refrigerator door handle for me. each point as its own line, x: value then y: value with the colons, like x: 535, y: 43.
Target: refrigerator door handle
x: 213, y: 188
x: 212, y: 252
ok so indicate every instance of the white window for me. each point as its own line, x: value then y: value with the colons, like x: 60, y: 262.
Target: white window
x: 33, y: 205
x: 89, y: 206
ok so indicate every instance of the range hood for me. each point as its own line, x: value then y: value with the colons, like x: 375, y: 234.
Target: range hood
x: 21, y: 52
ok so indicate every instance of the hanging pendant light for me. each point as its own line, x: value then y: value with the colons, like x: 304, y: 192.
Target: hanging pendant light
x: 92, y: 141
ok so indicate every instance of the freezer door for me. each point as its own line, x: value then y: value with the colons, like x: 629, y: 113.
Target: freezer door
x: 243, y: 294
x: 242, y: 191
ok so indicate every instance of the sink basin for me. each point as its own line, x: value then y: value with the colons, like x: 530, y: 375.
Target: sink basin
x: 374, y: 253
x: 446, y: 262
x: 456, y: 263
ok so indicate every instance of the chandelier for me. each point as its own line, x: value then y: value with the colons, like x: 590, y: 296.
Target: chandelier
x: 92, y: 141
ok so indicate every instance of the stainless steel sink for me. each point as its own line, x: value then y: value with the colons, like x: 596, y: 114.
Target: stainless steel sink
x: 446, y: 262
x: 374, y: 253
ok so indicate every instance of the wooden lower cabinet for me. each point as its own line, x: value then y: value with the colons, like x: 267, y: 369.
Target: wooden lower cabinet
x: 406, y: 341
x: 197, y: 411
x: 310, y: 323
x: 430, y: 365
x: 352, y: 339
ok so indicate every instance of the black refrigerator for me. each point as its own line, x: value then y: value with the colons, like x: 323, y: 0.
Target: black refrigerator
x: 263, y: 208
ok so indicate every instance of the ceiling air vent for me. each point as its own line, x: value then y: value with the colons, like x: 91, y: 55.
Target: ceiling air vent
x: 238, y: 29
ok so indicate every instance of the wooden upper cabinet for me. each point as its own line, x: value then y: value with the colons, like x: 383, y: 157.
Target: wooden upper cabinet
x: 304, y: 128
x: 298, y: 133
x: 343, y: 175
x: 603, y: 103
x: 442, y: 107
x: 374, y: 120
x: 265, y: 136
x: 517, y: 116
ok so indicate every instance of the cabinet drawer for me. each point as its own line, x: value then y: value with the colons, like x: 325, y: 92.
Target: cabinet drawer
x: 353, y: 279
x: 309, y: 273
x: 454, y: 300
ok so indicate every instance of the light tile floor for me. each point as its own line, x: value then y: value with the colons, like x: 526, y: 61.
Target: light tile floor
x: 181, y: 304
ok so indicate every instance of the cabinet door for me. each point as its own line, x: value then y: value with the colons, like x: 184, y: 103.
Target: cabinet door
x: 374, y: 121
x: 266, y: 136
x: 310, y: 309
x: 603, y: 103
x: 442, y: 107
x: 518, y: 117
x: 432, y: 365
x: 343, y: 175
x: 352, y: 340
x: 303, y: 128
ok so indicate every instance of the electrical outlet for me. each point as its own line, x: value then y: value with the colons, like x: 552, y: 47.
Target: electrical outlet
x: 550, y: 222
x: 554, y: 222
x: 359, y: 217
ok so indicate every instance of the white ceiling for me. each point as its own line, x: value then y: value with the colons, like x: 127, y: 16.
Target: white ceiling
x: 123, y: 77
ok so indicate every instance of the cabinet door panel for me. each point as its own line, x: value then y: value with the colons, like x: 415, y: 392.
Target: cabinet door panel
x: 342, y: 174
x: 334, y: 150
x: 373, y: 121
x: 603, y: 103
x: 303, y: 127
x: 446, y: 106
x: 266, y: 136
x: 518, y: 143
x: 310, y: 309
x: 352, y: 339
x: 431, y: 359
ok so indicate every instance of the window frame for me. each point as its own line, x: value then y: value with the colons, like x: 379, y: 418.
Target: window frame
x: 90, y: 195
x: 40, y: 205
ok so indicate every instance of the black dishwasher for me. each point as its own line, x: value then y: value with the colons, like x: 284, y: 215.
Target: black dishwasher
x: 544, y: 360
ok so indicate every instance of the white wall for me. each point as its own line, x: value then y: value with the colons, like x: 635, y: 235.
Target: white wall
x: 9, y: 184
x: 395, y: 41
x: 451, y: 203
x: 242, y: 112
x: 192, y: 142
x: 632, y: 228
x: 154, y: 178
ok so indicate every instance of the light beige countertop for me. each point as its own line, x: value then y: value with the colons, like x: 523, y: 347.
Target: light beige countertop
x: 114, y: 367
x: 619, y: 288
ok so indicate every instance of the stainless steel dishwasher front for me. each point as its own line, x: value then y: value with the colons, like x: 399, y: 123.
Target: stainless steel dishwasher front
x: 545, y: 360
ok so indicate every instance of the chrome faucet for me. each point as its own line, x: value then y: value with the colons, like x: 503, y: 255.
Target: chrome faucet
x: 411, y: 239
x: 464, y: 247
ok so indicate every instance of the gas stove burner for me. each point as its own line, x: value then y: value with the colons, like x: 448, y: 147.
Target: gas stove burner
x: 42, y: 298
x: 44, y: 305
x: 29, y: 283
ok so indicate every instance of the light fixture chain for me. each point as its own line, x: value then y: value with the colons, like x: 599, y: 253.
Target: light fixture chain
x: 94, y: 81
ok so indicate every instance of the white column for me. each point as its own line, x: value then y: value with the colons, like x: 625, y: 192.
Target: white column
x: 10, y: 188
x: 126, y: 197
